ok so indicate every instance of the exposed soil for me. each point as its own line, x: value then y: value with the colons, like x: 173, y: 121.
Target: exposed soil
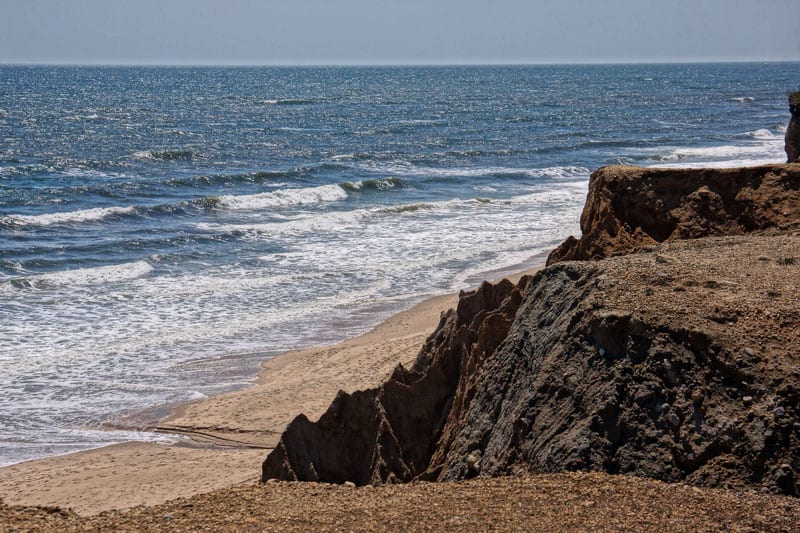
x: 562, y: 502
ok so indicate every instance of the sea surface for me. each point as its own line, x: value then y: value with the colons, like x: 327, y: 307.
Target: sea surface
x: 164, y: 230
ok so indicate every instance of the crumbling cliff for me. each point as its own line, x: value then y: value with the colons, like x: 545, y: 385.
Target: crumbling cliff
x: 680, y: 362
x: 632, y: 208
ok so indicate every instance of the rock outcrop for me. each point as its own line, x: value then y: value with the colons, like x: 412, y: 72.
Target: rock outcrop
x: 792, y: 138
x: 392, y: 432
x: 632, y: 208
x: 678, y: 363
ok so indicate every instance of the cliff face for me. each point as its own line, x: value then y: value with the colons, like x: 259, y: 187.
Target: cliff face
x: 631, y: 208
x: 679, y: 363
x: 792, y: 139
x: 391, y: 433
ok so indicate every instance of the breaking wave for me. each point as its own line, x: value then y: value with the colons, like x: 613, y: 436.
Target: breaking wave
x: 408, y: 169
x: 69, y: 217
x: 377, y: 185
x: 84, y: 276
x: 166, y: 155
x: 283, y: 197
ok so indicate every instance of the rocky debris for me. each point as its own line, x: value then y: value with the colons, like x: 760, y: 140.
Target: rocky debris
x: 562, y: 502
x: 632, y: 208
x: 792, y: 138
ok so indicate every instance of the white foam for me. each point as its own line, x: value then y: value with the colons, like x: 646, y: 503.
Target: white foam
x: 766, y: 148
x: 407, y: 169
x: 283, y: 197
x: 762, y: 134
x: 743, y: 99
x: 93, y: 275
x: 69, y: 217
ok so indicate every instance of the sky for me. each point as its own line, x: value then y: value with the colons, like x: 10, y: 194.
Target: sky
x: 343, y: 32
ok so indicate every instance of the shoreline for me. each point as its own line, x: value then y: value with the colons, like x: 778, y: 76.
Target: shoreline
x: 225, y: 437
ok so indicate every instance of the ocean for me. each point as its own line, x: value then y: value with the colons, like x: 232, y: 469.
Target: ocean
x: 165, y: 230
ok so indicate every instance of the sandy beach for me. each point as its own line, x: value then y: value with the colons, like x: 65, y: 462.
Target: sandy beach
x: 226, y: 437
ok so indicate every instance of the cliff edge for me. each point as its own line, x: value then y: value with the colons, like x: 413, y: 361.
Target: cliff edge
x: 631, y: 208
x: 680, y: 362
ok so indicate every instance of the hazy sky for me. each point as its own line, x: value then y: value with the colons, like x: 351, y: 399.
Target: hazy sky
x: 274, y: 32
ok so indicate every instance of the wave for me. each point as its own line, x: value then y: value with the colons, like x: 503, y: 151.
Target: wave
x: 763, y: 134
x: 69, y: 217
x: 376, y: 185
x: 338, y: 220
x: 85, y: 276
x: 232, y: 179
x: 409, y: 169
x: 287, y: 101
x: 742, y: 99
x: 284, y: 197
x: 166, y: 155
x: 723, y: 152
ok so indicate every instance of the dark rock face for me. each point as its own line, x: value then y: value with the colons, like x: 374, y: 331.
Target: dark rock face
x: 391, y: 433
x: 631, y: 208
x: 792, y: 138
x: 578, y: 385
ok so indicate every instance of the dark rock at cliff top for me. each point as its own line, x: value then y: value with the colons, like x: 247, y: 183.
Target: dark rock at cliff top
x: 630, y: 208
x: 792, y: 138
x: 679, y: 363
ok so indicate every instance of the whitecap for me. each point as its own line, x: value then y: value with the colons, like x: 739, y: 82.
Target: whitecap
x: 91, y: 275
x: 762, y: 134
x: 724, y: 155
x: 403, y: 168
x: 742, y: 99
x: 165, y: 155
x: 283, y: 197
x: 69, y: 217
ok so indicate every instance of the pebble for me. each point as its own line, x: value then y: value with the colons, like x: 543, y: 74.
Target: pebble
x: 697, y: 397
x: 349, y: 484
x: 779, y: 412
x: 674, y: 420
x: 747, y: 400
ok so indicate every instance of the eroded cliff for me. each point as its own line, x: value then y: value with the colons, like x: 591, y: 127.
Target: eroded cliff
x: 679, y: 363
x: 631, y: 208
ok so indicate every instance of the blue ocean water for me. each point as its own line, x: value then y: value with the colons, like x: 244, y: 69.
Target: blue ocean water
x: 163, y: 230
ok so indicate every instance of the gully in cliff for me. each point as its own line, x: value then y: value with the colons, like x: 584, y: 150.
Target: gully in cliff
x: 793, y: 131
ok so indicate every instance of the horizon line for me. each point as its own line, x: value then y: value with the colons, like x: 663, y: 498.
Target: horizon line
x: 391, y: 64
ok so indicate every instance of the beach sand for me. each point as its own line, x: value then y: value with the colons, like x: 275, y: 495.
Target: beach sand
x: 229, y: 435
